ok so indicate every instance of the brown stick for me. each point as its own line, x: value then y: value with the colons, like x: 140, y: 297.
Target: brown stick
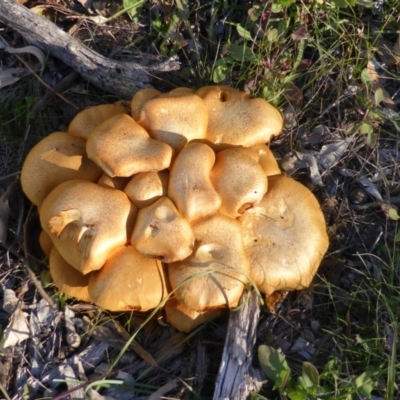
x: 236, y: 376
x: 118, y: 77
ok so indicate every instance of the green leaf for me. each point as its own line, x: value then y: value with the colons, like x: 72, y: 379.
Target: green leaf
x: 366, y: 128
x: 390, y: 211
x: 221, y: 70
x: 365, y: 77
x: 343, y: 3
x: 274, y: 365
x: 276, y: 7
x: 393, y: 214
x: 285, y: 3
x: 244, y: 33
x: 310, y: 374
x: 379, y: 96
x: 283, y: 27
x: 297, y: 395
x: 255, y: 12
x: 351, y: 129
x: 240, y: 52
x: 365, y: 3
x: 134, y: 8
x: 272, y: 35
x: 364, y: 383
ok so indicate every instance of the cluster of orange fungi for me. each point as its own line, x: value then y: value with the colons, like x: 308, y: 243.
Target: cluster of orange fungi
x: 178, y: 197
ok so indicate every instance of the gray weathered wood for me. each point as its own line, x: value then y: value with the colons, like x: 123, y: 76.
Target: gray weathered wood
x: 118, y: 77
x: 236, y: 376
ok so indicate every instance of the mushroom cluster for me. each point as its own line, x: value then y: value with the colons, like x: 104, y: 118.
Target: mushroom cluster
x: 180, y: 194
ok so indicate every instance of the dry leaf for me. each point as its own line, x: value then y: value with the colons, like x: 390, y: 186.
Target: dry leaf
x: 331, y: 154
x: 73, y: 339
x: 292, y: 162
x: 11, y: 75
x: 87, y: 4
x: 370, y: 188
x: 310, y: 162
x: 17, y: 330
x: 30, y: 50
x: 10, y: 300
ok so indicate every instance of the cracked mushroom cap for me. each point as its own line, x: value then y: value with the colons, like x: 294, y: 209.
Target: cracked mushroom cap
x: 88, y: 119
x: 175, y: 118
x: 239, y: 179
x: 184, y: 318
x: 67, y: 279
x: 190, y: 186
x: 128, y: 281
x: 236, y: 118
x: 160, y: 232
x: 146, y: 187
x: 139, y: 153
x: 215, y: 274
x: 57, y: 158
x: 284, y: 236
x: 86, y: 222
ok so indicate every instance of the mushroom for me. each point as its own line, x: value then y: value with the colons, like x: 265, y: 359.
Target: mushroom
x: 185, y: 319
x: 57, y: 158
x: 239, y: 180
x: 181, y: 91
x: 284, y: 236
x: 236, y: 118
x: 146, y: 187
x: 45, y: 243
x: 175, y: 118
x: 68, y: 279
x: 160, y: 232
x: 215, y: 274
x: 139, y: 98
x: 197, y: 166
x: 128, y: 281
x: 266, y: 159
x: 139, y: 153
x: 86, y: 222
x: 115, y: 182
x: 190, y: 187
x: 88, y: 119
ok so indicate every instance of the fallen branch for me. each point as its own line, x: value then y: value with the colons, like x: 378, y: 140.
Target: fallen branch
x: 119, y: 77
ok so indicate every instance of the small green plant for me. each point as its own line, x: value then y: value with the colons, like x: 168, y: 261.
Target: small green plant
x: 310, y: 384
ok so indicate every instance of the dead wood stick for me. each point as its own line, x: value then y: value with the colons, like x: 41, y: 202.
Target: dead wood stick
x: 118, y: 77
x: 236, y: 376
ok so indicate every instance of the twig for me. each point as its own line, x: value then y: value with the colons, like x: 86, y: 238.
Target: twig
x: 2, y: 178
x: 374, y: 204
x: 31, y: 274
x: 64, y: 84
x: 119, y: 77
